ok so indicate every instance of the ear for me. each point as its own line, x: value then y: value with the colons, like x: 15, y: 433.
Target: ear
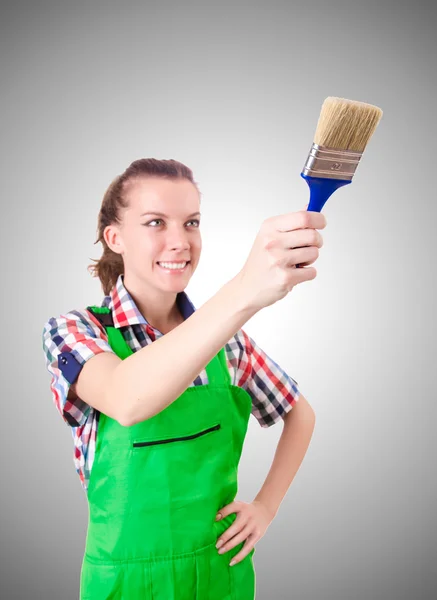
x: 113, y: 238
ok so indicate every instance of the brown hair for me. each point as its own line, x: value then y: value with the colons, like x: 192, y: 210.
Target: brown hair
x: 111, y: 264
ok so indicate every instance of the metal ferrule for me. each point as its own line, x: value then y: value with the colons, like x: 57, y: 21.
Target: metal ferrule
x: 331, y: 163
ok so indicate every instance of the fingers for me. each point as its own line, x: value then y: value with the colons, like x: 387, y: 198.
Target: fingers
x: 232, y: 530
x: 299, y: 256
x: 248, y: 545
x: 297, y: 220
x: 234, y: 539
x: 299, y: 247
x: 233, y: 507
x: 305, y: 263
x: 246, y: 532
x: 302, y: 274
x: 298, y: 239
x: 292, y: 240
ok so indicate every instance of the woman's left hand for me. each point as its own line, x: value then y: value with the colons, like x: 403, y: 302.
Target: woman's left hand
x: 253, y: 519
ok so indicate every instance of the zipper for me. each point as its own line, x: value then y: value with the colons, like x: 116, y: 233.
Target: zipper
x: 177, y: 439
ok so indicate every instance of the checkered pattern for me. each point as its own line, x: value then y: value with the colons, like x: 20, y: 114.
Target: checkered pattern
x: 69, y: 340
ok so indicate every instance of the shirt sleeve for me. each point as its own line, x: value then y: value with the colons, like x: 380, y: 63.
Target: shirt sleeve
x: 273, y: 391
x: 68, y: 342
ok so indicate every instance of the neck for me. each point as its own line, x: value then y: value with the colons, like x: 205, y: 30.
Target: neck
x: 159, y: 308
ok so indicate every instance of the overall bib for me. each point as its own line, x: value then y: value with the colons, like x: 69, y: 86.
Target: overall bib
x: 155, y: 489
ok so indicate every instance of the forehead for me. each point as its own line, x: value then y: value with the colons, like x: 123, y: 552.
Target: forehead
x: 155, y: 193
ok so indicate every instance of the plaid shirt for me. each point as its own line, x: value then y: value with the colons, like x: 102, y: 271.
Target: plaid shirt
x: 69, y: 340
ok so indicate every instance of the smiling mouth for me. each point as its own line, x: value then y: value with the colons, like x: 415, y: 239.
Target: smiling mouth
x: 172, y: 262
x: 177, y: 269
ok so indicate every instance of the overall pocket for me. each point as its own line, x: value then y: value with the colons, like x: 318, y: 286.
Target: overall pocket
x: 180, y: 473
x: 141, y: 443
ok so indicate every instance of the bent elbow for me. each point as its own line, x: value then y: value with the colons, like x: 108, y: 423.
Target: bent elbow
x: 127, y: 418
x: 125, y: 421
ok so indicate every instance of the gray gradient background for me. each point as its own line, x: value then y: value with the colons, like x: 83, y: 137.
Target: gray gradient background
x: 234, y: 91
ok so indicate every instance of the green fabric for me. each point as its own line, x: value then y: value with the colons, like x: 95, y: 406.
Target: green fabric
x: 152, y: 506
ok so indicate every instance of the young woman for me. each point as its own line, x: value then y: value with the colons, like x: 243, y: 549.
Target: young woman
x: 158, y: 395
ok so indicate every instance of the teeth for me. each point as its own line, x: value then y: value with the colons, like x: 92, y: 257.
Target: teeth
x: 173, y: 265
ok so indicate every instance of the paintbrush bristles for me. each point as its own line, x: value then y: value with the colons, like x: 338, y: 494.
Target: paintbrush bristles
x: 346, y: 124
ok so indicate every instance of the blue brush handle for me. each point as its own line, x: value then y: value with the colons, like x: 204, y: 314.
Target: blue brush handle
x: 320, y: 190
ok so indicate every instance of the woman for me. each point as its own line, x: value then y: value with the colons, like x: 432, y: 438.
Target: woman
x: 159, y: 394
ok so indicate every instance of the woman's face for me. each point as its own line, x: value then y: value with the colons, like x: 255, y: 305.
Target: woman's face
x: 161, y: 225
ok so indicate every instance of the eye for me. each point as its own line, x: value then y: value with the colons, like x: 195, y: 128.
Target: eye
x: 156, y: 220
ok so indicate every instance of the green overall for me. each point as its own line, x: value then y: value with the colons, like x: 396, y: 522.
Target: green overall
x: 155, y: 489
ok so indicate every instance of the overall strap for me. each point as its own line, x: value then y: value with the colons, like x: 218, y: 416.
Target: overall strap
x: 115, y: 337
x: 217, y: 369
x: 221, y: 374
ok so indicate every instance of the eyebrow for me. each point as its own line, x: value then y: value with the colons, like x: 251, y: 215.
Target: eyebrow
x: 160, y: 214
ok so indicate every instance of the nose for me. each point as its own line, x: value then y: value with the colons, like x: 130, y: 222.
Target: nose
x: 177, y: 239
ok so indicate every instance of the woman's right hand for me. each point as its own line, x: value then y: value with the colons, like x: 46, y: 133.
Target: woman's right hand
x: 282, y: 242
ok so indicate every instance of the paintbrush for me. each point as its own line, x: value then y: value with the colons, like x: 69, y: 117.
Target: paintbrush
x: 343, y: 131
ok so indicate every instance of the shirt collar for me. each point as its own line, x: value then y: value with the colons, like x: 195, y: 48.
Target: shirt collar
x: 125, y: 311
